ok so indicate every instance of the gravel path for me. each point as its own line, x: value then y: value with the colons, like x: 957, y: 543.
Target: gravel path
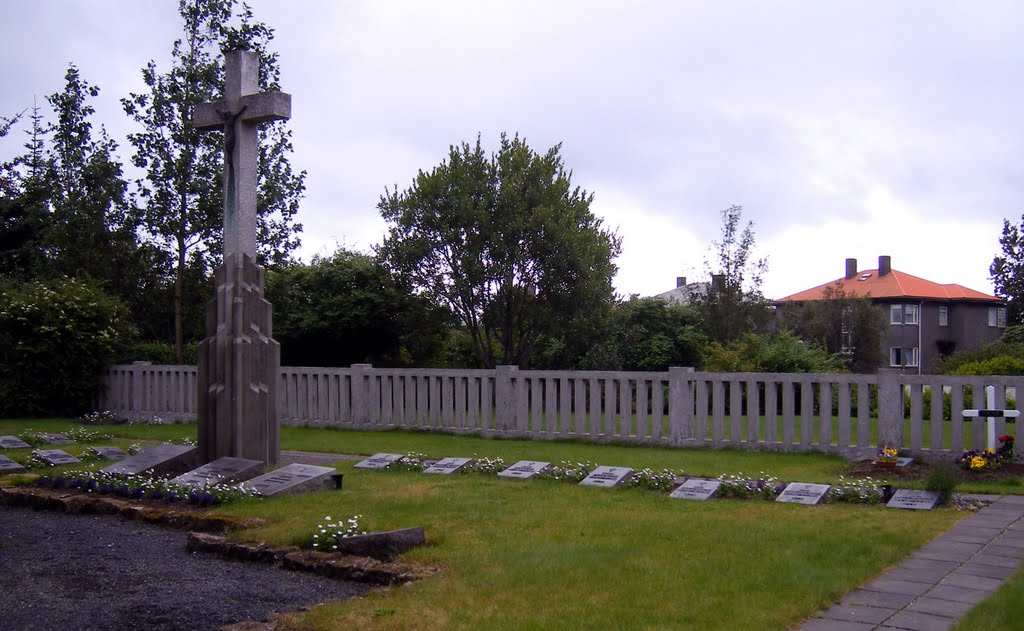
x: 72, y: 572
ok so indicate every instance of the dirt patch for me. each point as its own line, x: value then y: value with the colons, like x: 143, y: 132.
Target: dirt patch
x: 919, y: 471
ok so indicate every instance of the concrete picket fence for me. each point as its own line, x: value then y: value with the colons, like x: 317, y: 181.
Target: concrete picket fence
x: 849, y: 414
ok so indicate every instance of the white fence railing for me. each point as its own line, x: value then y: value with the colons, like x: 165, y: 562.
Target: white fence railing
x: 850, y: 414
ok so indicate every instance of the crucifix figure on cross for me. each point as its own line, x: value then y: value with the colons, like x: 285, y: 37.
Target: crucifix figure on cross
x: 239, y: 115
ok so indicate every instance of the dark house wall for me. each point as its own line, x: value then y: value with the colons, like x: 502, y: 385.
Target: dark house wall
x: 967, y: 328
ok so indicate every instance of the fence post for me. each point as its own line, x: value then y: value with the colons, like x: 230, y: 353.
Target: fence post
x: 504, y: 398
x: 360, y: 394
x: 680, y: 404
x: 890, y: 410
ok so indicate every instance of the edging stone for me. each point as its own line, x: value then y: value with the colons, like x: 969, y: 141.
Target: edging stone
x: 330, y: 564
x: 82, y: 503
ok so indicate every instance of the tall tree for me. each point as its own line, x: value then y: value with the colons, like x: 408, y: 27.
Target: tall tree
x: 733, y: 304
x: 506, y: 242
x: 1007, y: 271
x: 22, y: 203
x: 181, y: 190
x: 845, y: 325
x: 87, y: 195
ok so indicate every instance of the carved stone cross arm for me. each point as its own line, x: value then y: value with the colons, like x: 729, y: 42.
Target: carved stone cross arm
x: 264, y: 107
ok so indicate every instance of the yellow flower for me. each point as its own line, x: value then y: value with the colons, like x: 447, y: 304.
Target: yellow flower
x: 977, y: 462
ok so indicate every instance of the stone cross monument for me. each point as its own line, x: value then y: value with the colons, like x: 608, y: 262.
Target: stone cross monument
x: 239, y: 362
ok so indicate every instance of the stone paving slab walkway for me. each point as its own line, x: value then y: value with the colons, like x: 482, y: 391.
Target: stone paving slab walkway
x: 938, y: 584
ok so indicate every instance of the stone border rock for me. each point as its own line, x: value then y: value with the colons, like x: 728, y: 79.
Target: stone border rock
x: 81, y: 503
x: 330, y: 564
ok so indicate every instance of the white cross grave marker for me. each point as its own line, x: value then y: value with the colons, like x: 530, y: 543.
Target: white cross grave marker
x: 992, y: 414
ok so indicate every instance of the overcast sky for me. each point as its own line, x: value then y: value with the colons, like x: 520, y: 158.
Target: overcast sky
x: 844, y: 129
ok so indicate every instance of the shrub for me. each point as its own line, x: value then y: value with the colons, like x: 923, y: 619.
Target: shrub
x: 999, y: 365
x: 54, y: 340
x: 857, y: 491
x: 328, y: 533
x: 161, y: 353
x: 569, y: 471
x: 942, y: 479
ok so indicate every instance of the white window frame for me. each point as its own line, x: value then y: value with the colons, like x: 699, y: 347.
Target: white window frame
x: 997, y: 317
x: 943, y: 315
x: 904, y: 357
x: 895, y: 314
x: 911, y: 314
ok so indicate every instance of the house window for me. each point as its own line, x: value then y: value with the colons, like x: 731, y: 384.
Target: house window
x: 896, y: 314
x: 943, y: 316
x: 910, y: 314
x: 904, y: 314
x: 899, y: 357
x: 997, y: 316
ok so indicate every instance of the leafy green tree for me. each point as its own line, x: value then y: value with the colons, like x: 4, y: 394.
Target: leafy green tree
x: 845, y: 325
x: 505, y: 242
x: 733, y: 304
x: 23, y: 209
x: 654, y: 334
x: 1007, y: 271
x: 348, y: 309
x: 55, y: 337
x: 648, y: 334
x: 181, y: 190
x: 776, y: 352
x: 89, y: 211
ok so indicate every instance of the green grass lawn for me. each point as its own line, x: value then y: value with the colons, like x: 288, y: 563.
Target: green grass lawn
x: 542, y: 554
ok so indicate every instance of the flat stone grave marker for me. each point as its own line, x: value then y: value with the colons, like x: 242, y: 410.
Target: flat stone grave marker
x: 163, y: 459
x: 379, y: 461
x: 55, y: 457
x: 913, y: 500
x: 224, y: 470
x: 607, y: 476
x: 904, y: 462
x: 448, y: 466
x: 55, y: 439
x: 801, y: 493
x: 293, y: 478
x: 109, y: 453
x: 524, y: 469
x: 13, y: 442
x: 10, y: 466
x: 696, y: 489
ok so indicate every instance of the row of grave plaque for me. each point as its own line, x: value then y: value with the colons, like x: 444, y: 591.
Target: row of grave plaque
x: 13, y: 442
x: 162, y: 459
x: 692, y: 489
x: 300, y: 477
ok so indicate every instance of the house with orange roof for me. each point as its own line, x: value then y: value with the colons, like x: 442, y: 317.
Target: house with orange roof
x: 927, y: 320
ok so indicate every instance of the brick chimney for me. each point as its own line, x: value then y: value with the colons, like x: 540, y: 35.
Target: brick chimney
x: 680, y: 281
x: 851, y: 268
x: 884, y: 265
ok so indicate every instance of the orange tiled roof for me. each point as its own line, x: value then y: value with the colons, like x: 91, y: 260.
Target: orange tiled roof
x: 895, y: 284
